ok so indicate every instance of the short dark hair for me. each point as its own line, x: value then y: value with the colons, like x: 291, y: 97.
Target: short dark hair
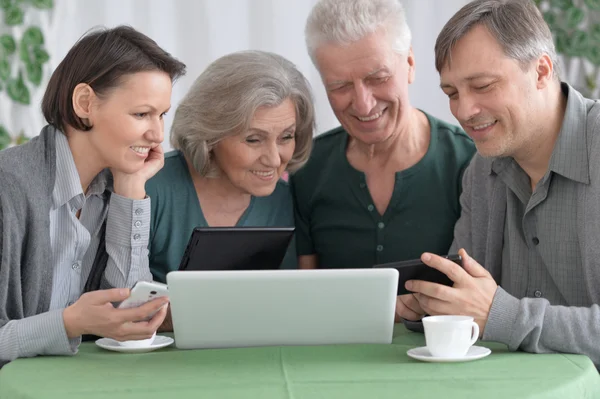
x: 101, y: 58
x: 517, y: 25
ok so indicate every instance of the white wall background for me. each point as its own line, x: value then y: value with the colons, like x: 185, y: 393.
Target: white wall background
x: 199, y: 31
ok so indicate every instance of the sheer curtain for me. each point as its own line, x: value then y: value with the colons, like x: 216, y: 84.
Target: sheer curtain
x: 199, y: 31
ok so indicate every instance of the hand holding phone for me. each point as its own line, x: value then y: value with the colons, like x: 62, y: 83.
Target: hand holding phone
x: 94, y: 314
x: 417, y: 270
x: 142, y: 292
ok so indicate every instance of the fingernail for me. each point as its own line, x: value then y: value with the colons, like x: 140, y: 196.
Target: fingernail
x: 408, y: 285
x: 124, y: 292
x: 426, y: 257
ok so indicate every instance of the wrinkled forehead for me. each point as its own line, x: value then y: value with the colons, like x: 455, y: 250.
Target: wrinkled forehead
x: 476, y: 53
x: 364, y: 56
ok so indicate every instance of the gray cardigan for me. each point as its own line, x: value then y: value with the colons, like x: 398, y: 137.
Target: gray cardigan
x: 533, y: 324
x: 27, y: 176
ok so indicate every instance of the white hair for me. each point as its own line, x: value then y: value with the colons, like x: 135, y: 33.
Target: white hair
x: 347, y: 21
x: 224, y: 98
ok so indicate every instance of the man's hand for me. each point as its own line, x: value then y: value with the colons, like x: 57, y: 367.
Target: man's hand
x: 93, y: 313
x: 408, y: 308
x: 132, y: 185
x: 472, y: 293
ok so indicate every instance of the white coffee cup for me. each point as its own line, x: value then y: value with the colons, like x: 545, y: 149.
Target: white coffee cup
x: 138, y: 343
x: 450, y: 336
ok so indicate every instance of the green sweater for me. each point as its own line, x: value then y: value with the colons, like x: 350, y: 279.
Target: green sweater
x: 337, y: 220
x: 176, y: 212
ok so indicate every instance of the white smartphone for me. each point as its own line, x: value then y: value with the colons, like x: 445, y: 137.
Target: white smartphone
x: 142, y: 292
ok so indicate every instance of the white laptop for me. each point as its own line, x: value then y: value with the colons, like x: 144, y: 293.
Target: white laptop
x: 225, y: 309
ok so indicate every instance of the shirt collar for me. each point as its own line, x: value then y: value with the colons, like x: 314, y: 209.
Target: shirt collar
x: 569, y: 156
x: 68, y: 185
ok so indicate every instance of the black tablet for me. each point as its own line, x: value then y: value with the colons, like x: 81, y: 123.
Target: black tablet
x: 417, y: 270
x: 236, y: 248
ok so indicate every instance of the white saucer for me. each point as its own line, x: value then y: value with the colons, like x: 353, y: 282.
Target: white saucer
x: 160, y: 341
x: 474, y: 353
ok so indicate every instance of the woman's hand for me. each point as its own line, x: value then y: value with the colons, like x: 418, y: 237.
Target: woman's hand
x: 93, y: 313
x: 133, y: 185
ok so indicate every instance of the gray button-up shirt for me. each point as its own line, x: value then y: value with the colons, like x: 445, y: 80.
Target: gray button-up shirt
x: 540, y: 234
x: 541, y: 247
x: 74, y: 243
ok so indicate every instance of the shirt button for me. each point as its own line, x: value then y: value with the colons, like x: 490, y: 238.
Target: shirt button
x: 381, y: 225
x: 538, y: 293
x: 138, y: 223
x: 75, y: 266
x: 370, y: 208
x: 535, y: 240
x: 136, y: 237
x: 379, y: 248
x: 139, y: 211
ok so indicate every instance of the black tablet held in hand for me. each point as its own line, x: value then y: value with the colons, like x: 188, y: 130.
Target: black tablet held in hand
x: 417, y: 270
x: 236, y: 248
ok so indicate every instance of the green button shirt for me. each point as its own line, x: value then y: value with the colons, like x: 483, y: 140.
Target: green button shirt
x: 337, y: 220
x: 176, y: 212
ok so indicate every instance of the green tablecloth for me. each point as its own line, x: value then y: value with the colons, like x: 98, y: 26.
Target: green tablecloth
x: 338, y: 371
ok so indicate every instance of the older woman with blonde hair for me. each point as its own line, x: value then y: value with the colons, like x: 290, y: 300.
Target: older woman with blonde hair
x: 247, y: 119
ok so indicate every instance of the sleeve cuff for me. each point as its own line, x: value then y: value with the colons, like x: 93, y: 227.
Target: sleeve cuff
x: 502, y: 317
x: 45, y: 334
x: 128, y: 222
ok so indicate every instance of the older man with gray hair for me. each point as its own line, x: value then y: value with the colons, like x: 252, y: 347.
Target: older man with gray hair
x: 385, y: 185
x: 531, y: 196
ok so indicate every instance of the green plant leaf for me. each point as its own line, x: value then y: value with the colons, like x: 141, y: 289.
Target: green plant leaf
x: 5, y: 4
x: 34, y: 73
x: 562, y: 4
x: 590, y: 82
x: 21, y: 138
x: 33, y: 36
x: 595, y: 33
x: 550, y: 19
x: 561, y: 39
x: 593, y: 4
x: 5, y: 138
x: 40, y: 55
x: 593, y: 55
x: 17, y: 90
x: 574, y: 17
x: 24, y: 54
x: 13, y: 16
x: 578, y: 44
x: 8, y: 44
x: 4, y: 69
x: 43, y: 4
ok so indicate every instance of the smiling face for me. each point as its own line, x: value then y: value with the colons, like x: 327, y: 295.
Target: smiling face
x: 495, y: 100
x: 128, y: 121
x: 255, y: 160
x: 367, y: 86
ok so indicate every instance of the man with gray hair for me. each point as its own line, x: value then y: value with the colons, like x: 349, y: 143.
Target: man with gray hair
x: 385, y: 185
x: 530, y: 202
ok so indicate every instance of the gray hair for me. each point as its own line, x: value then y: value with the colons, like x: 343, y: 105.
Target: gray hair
x: 517, y: 25
x: 224, y: 98
x: 346, y: 21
